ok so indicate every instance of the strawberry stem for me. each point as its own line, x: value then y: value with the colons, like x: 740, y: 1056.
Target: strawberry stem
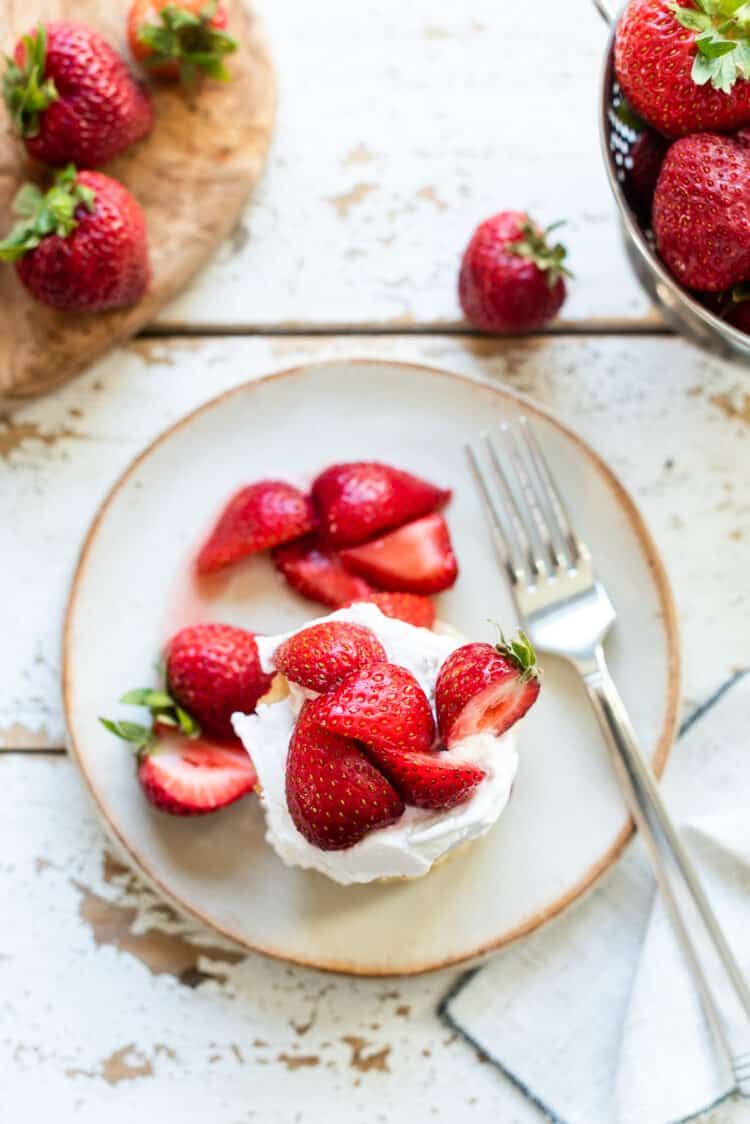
x: 722, y: 40
x: 26, y: 91
x: 164, y: 712
x: 534, y: 246
x: 190, y: 41
x: 520, y: 652
x: 41, y: 214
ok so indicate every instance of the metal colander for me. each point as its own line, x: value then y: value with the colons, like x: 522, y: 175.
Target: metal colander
x: 678, y: 304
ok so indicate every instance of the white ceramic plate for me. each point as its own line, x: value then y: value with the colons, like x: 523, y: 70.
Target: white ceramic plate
x: 565, y: 823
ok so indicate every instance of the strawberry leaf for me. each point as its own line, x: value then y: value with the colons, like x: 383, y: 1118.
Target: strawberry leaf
x: 722, y: 41
x: 520, y: 652
x: 534, y: 246
x: 139, y: 736
x: 189, y: 40
x: 26, y: 91
x: 42, y: 214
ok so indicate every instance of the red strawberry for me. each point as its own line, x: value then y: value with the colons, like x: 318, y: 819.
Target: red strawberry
x: 682, y: 66
x: 334, y: 794
x: 256, y: 518
x: 484, y: 689
x: 701, y: 211
x: 82, y: 246
x: 739, y: 314
x: 427, y: 780
x: 317, y: 572
x: 382, y: 706
x: 646, y: 156
x: 184, y: 775
x: 180, y: 38
x: 417, y: 558
x: 357, y: 500
x: 72, y: 98
x: 409, y: 607
x: 321, y: 656
x: 212, y: 671
x: 511, y: 280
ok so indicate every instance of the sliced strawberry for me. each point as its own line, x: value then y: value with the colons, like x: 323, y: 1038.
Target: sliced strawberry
x: 484, y: 689
x: 187, y: 777
x: 316, y: 571
x: 334, y: 794
x: 382, y: 706
x: 322, y: 656
x: 417, y: 558
x: 256, y: 518
x: 212, y: 671
x: 355, y: 501
x: 427, y: 780
x: 409, y: 607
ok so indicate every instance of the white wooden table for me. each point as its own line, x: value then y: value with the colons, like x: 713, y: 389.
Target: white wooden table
x: 401, y: 126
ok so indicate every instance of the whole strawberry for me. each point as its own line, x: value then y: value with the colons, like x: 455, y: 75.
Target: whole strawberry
x: 739, y: 313
x: 334, y: 794
x: 321, y: 656
x: 72, y: 98
x: 701, y: 211
x: 213, y: 670
x: 180, y: 38
x: 82, y: 246
x: 684, y: 66
x: 646, y: 158
x: 511, y: 278
x: 481, y: 689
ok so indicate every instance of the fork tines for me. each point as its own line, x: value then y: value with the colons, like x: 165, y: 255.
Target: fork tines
x: 530, y: 523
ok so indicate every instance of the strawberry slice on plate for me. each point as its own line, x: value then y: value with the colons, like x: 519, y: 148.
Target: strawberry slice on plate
x: 416, y: 558
x: 383, y: 706
x: 334, y: 794
x: 357, y: 500
x: 316, y: 571
x: 410, y: 607
x: 258, y: 517
x: 481, y: 689
x: 322, y: 656
x: 186, y: 776
x: 427, y: 780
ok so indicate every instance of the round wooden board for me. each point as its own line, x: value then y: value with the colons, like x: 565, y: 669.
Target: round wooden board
x: 192, y: 176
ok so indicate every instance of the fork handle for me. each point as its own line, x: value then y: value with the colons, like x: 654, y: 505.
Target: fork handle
x: 705, y: 947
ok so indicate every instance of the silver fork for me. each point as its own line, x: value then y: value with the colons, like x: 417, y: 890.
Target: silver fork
x: 566, y: 611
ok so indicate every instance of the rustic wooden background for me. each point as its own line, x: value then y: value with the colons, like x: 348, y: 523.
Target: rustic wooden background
x: 400, y: 127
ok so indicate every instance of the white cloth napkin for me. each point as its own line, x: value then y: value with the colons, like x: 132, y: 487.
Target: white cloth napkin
x: 595, y: 1016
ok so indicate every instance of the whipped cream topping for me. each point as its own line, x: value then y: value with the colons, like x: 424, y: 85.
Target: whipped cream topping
x: 410, y: 846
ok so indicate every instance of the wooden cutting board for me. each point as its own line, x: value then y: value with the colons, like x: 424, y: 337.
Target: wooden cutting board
x: 192, y: 176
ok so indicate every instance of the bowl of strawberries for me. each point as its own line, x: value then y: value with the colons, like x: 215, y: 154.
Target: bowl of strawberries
x: 675, y: 129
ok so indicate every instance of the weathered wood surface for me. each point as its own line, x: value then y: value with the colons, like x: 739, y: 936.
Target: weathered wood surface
x: 192, y: 176
x: 401, y: 126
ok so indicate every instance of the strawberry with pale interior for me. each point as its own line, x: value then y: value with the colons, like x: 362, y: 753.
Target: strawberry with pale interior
x: 512, y: 277
x: 258, y: 517
x: 81, y: 246
x: 181, y: 38
x: 485, y: 689
x: 413, y: 608
x: 415, y: 558
x: 355, y: 501
x: 701, y: 211
x: 335, y: 795
x: 684, y: 66
x: 316, y: 571
x: 322, y: 656
x: 71, y: 98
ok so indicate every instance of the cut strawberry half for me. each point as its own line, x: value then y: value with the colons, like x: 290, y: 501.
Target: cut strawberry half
x: 258, y: 517
x: 410, y: 607
x: 322, y: 656
x: 316, y: 571
x: 382, y: 706
x: 417, y: 558
x: 427, y: 780
x: 188, y: 777
x: 481, y: 689
x: 357, y: 500
x: 335, y: 795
